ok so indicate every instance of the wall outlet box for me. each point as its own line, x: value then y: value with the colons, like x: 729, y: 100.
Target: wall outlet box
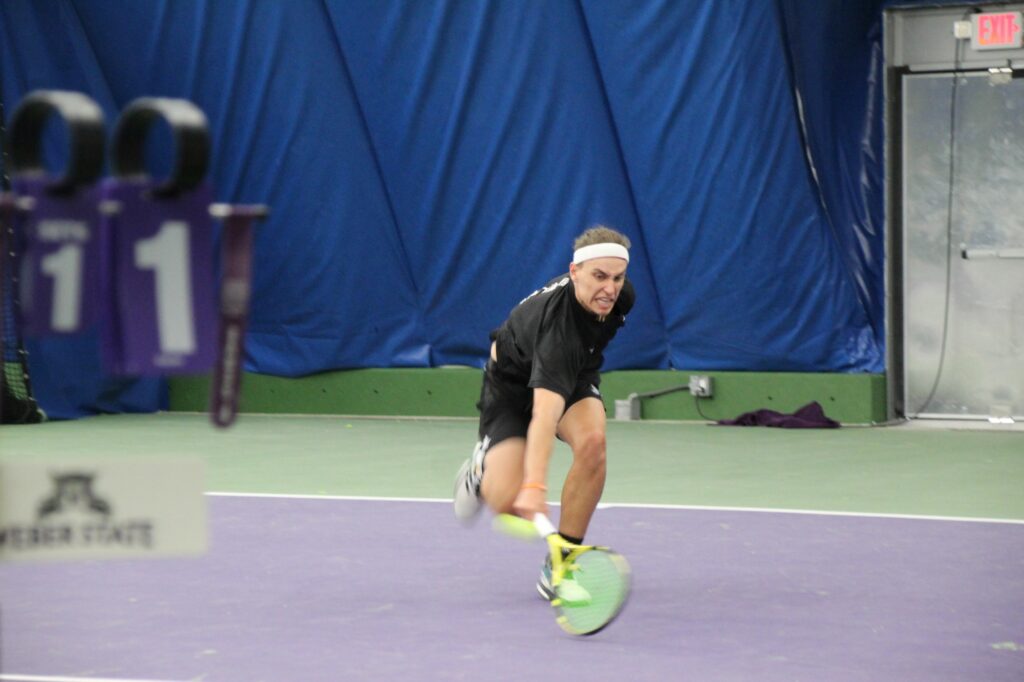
x: 627, y: 410
x: 700, y: 386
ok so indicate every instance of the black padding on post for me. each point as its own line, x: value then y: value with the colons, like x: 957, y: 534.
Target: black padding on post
x: 191, y: 138
x: 84, y: 121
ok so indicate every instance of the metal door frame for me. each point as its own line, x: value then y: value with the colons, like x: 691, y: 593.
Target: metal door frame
x: 919, y: 41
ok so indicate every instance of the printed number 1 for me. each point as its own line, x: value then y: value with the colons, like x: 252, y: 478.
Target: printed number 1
x: 167, y: 254
x: 65, y: 267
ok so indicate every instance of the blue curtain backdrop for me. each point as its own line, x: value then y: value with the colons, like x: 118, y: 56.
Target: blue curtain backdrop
x: 429, y: 163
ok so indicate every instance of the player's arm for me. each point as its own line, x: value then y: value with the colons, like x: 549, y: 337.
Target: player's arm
x: 540, y: 440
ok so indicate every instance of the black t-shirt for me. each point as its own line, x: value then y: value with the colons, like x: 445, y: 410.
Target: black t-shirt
x: 551, y: 341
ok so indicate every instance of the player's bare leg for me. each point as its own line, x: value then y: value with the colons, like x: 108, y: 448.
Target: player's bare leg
x: 583, y: 427
x: 503, y: 475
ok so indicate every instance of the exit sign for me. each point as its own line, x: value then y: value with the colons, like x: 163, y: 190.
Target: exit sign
x: 996, y: 31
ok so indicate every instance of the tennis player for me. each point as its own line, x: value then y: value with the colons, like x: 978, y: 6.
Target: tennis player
x: 541, y: 382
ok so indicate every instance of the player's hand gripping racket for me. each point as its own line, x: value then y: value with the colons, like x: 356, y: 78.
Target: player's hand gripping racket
x: 591, y: 584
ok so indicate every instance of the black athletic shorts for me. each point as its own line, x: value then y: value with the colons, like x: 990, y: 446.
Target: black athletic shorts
x: 506, y: 405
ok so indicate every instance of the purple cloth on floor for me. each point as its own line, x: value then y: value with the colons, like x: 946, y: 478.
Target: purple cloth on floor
x: 810, y: 416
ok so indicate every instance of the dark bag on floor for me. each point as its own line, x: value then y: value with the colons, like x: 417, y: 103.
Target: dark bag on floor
x: 810, y: 416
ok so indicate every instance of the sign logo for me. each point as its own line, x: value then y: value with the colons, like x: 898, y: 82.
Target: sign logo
x: 73, y: 493
x: 73, y: 515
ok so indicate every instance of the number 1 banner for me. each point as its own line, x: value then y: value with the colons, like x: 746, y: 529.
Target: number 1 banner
x: 162, y: 319
x: 57, y: 212
x: 60, y: 275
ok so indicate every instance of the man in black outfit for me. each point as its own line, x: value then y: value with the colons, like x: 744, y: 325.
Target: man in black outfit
x: 542, y: 381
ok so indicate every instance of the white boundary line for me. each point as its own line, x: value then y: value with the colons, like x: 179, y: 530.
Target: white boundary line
x: 13, y: 677
x: 343, y: 498
x: 815, y: 512
x: 630, y: 505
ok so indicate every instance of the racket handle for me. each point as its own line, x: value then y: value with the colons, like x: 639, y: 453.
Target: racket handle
x: 544, y: 525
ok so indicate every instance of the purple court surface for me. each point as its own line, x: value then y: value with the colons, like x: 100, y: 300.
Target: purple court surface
x: 329, y: 589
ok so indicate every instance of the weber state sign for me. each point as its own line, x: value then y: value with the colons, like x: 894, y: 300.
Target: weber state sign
x: 97, y: 509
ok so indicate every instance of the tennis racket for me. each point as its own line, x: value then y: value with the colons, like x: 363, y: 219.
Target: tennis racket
x: 591, y: 584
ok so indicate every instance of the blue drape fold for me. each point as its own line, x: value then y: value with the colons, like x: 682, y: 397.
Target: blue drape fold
x: 428, y: 164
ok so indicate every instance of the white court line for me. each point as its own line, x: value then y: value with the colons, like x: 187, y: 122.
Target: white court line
x: 354, y: 498
x: 630, y: 505
x: 13, y: 677
x: 769, y: 510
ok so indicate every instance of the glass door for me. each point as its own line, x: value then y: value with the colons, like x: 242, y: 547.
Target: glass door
x: 963, y: 218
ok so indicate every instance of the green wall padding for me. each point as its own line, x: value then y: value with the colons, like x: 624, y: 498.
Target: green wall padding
x: 453, y: 392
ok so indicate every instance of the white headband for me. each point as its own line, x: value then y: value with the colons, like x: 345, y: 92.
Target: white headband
x: 605, y: 250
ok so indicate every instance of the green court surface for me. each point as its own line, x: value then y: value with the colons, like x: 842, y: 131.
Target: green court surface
x: 905, y: 469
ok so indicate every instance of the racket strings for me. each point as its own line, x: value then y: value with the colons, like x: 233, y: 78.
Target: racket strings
x: 604, y: 577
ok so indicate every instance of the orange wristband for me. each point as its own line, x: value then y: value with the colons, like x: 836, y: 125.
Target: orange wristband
x: 534, y: 486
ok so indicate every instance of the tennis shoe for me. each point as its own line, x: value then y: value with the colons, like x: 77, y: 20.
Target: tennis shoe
x: 569, y: 590
x: 466, y: 498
